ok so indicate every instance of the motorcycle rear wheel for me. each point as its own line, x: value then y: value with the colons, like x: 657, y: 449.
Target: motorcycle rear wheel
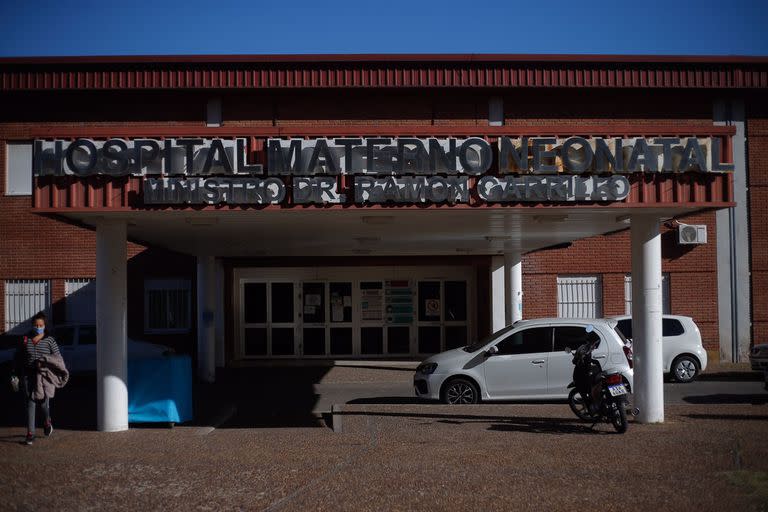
x: 619, y: 418
x: 579, y: 408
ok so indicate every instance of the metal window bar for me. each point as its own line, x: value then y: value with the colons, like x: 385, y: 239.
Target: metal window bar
x: 579, y: 297
x: 23, y: 299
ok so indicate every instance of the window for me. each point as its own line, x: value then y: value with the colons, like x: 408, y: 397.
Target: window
x: 665, y: 301
x: 671, y: 327
x: 18, y: 178
x: 528, y: 341
x: 579, y: 297
x: 167, y: 305
x: 572, y: 337
x: 625, y: 326
x: 80, y: 297
x: 23, y: 299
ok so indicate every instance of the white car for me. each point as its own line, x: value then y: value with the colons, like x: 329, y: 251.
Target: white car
x: 683, y: 354
x: 77, y: 344
x: 529, y: 360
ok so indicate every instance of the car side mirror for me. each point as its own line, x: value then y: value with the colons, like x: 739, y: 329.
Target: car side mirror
x: 492, y: 351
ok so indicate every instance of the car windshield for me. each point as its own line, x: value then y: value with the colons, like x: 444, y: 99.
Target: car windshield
x: 474, y: 347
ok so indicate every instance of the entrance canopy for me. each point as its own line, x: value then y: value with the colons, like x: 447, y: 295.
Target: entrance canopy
x: 381, y: 232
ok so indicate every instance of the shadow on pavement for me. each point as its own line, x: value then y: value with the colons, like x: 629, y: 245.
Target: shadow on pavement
x: 72, y: 408
x: 271, y: 396
x: 500, y: 423
x: 389, y: 400
x: 731, y: 377
x: 754, y: 399
x: 746, y: 417
x: 241, y: 398
x: 369, y: 367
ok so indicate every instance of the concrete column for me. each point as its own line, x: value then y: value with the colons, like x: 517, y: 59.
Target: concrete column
x: 206, y: 325
x: 111, y: 349
x: 498, y: 315
x: 646, y: 318
x: 513, y: 287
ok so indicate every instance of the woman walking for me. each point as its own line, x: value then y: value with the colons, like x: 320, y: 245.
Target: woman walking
x: 35, y: 357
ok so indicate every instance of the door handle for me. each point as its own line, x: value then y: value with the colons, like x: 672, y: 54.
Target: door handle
x: 600, y: 357
x: 537, y: 361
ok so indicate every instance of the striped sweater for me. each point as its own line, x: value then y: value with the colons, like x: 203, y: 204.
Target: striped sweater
x: 29, y: 352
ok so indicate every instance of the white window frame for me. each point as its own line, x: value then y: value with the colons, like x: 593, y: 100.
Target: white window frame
x: 666, y: 300
x: 181, y: 284
x: 575, y: 292
x: 25, y: 298
x: 18, y: 168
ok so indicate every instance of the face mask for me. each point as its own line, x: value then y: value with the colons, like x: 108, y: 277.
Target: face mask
x: 39, y: 330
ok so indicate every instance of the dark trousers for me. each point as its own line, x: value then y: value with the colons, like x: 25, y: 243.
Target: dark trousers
x: 32, y: 404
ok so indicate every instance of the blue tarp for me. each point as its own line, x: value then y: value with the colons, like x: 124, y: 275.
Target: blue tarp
x: 160, y: 389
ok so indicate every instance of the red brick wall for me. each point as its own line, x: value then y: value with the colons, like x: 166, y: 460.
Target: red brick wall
x: 692, y: 273
x: 37, y: 247
x: 693, y: 279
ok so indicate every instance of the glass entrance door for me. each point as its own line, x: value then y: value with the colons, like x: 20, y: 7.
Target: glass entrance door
x: 269, y: 319
x: 326, y: 311
x: 442, y: 316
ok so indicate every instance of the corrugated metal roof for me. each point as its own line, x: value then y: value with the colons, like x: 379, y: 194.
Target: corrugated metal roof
x: 381, y: 71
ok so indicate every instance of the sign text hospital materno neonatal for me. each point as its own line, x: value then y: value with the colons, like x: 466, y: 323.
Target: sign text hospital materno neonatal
x: 384, y: 170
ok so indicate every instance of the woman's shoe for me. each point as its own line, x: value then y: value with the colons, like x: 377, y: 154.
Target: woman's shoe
x: 29, y: 439
x: 48, y: 429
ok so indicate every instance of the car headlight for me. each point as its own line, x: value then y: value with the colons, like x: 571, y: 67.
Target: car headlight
x: 426, y: 368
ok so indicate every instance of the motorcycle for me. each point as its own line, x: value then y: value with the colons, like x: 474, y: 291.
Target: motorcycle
x: 597, y: 395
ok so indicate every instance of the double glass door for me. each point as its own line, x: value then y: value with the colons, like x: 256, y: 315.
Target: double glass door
x: 269, y: 319
x: 352, y: 318
x: 297, y: 319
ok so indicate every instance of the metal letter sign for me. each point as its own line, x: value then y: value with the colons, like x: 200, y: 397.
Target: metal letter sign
x: 383, y: 170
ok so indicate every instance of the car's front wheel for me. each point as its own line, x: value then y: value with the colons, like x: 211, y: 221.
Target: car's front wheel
x: 685, y: 369
x: 460, y: 391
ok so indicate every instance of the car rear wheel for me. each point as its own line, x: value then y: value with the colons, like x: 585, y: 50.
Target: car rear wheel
x: 685, y: 369
x: 460, y: 391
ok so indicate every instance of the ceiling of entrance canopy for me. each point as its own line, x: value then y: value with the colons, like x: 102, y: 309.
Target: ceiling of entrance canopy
x: 314, y: 232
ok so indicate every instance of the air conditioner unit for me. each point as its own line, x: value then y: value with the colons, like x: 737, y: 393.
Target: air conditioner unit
x: 691, y: 234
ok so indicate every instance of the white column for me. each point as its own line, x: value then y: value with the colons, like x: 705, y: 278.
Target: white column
x: 111, y: 349
x: 646, y: 318
x: 513, y: 287
x: 498, y: 315
x: 206, y: 324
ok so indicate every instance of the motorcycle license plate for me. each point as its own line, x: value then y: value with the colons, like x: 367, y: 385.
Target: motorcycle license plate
x: 617, y: 390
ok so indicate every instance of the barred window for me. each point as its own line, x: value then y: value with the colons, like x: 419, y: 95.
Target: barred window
x: 23, y: 299
x: 579, y: 297
x: 167, y: 305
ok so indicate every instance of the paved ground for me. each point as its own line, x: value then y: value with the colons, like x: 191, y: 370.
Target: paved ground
x: 488, y: 457
x: 275, y: 453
